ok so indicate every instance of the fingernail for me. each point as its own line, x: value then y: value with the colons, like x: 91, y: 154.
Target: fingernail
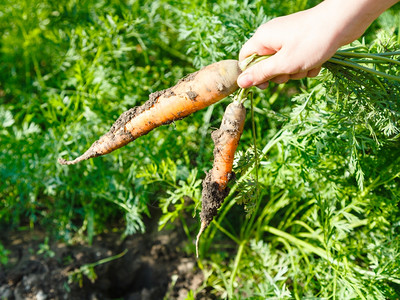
x: 245, y: 80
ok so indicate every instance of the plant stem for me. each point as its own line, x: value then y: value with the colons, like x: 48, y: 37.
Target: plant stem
x: 393, y: 53
x: 319, y: 251
x: 230, y: 235
x: 249, y: 225
x: 236, y: 266
x: 368, y: 55
x: 338, y: 59
x: 322, y: 253
x: 363, y: 68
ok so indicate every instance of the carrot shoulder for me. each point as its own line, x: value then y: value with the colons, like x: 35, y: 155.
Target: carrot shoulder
x: 192, y: 93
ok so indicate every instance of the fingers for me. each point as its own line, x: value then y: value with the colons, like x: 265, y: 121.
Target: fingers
x: 251, y: 47
x: 314, y: 72
x: 256, y: 44
x: 262, y: 72
x: 299, y: 75
x: 280, y: 79
x: 263, y: 85
x: 273, y: 69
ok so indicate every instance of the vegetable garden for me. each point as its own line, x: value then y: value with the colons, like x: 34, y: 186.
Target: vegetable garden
x: 312, y: 208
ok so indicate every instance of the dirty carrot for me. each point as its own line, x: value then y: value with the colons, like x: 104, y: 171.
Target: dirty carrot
x: 192, y: 93
x: 215, y: 185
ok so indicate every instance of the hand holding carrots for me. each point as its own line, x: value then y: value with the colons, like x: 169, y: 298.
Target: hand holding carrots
x: 303, y: 41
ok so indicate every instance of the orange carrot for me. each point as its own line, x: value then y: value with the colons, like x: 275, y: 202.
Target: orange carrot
x: 215, y: 185
x: 192, y: 93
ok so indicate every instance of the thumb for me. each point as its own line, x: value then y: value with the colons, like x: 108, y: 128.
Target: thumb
x: 263, y: 71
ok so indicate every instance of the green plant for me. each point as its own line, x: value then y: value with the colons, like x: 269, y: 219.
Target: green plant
x: 317, y: 171
x: 44, y: 249
x: 4, y: 255
x: 320, y: 182
x: 88, y: 270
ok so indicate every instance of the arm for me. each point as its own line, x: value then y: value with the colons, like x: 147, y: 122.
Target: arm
x: 303, y: 41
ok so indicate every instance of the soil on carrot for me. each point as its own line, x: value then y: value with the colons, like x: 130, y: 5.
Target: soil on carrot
x: 128, y: 115
x: 188, y: 77
x: 153, y: 267
x: 192, y: 95
x: 212, y: 198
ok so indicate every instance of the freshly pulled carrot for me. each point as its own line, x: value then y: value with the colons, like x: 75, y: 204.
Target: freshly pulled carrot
x: 215, y: 185
x: 192, y: 93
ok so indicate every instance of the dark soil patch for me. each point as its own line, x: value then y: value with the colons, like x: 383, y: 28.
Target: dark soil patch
x: 152, y: 268
x: 192, y: 95
x: 212, y: 198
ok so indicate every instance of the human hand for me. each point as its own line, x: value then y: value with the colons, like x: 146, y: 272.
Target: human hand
x: 303, y: 41
x: 300, y: 44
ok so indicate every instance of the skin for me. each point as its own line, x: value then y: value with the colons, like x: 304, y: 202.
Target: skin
x: 303, y: 41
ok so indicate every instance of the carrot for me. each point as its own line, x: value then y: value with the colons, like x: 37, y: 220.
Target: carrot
x: 192, y: 93
x: 215, y: 185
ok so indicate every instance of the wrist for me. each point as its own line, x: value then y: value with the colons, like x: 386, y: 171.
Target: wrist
x: 348, y: 19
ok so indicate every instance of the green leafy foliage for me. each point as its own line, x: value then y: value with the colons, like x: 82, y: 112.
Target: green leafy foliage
x: 314, y: 210
x: 4, y: 253
x: 328, y: 200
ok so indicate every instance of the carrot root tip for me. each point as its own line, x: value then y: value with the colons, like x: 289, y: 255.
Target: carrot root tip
x: 62, y: 161
x: 202, y: 228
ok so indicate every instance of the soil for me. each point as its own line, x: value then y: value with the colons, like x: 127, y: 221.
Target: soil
x: 188, y: 77
x: 212, y: 197
x: 153, y: 267
x: 192, y: 95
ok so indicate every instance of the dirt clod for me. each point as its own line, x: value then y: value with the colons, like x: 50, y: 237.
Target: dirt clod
x: 192, y: 95
x: 212, y: 198
x: 221, y: 87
